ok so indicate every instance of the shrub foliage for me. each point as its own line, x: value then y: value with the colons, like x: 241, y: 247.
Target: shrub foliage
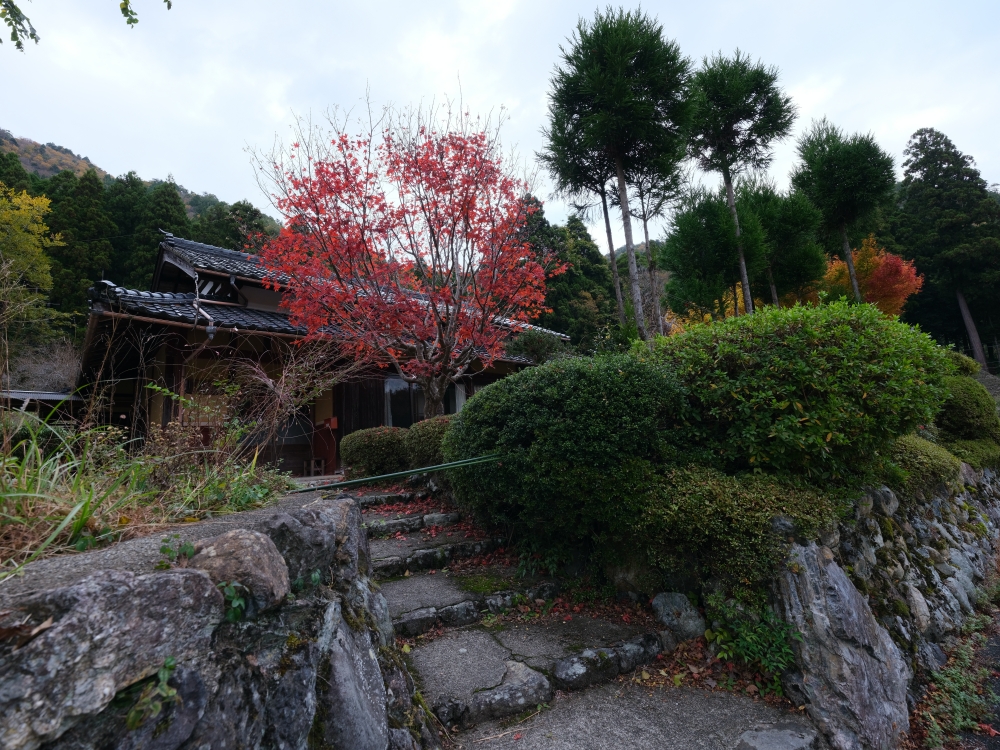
x: 925, y: 465
x: 969, y: 412
x: 422, y: 442
x: 814, y: 390
x: 579, y: 440
x: 375, y: 451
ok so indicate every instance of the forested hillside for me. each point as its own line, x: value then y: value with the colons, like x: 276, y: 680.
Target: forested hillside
x: 96, y: 226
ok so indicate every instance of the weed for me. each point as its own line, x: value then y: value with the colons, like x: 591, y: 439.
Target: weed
x: 958, y: 698
x: 174, y: 551
x: 153, y: 697
x: 235, y: 602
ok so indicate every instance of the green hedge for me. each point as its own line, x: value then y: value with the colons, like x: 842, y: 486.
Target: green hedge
x: 815, y: 390
x: 979, y: 454
x: 963, y: 365
x: 969, y: 412
x: 375, y: 451
x: 423, y: 442
x: 925, y: 464
x: 722, y: 528
x: 579, y: 441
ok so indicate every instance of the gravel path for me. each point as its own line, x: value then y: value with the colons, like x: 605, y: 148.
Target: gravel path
x: 138, y: 555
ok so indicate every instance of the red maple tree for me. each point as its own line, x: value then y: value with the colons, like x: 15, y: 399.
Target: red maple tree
x: 408, y: 243
x: 885, y: 279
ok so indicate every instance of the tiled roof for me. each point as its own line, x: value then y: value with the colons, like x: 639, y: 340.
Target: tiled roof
x: 180, y: 308
x: 212, y: 258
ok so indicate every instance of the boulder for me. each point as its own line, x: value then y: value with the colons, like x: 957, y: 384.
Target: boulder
x: 96, y: 637
x: 247, y: 557
x: 325, y: 536
x: 589, y: 667
x: 676, y: 612
x: 522, y: 688
x: 854, y: 676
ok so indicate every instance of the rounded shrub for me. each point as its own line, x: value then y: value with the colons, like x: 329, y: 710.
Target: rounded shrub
x: 723, y: 528
x: 963, y: 365
x: 979, y: 454
x: 579, y: 440
x: 818, y: 390
x: 969, y: 412
x: 375, y: 451
x: 422, y: 442
x: 925, y: 464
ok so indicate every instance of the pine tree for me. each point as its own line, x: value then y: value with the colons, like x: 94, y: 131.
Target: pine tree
x: 948, y: 222
x: 85, y: 228
x: 124, y: 200
x: 164, y: 210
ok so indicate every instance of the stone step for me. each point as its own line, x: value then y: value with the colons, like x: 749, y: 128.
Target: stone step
x: 377, y: 526
x: 394, y: 557
x: 475, y: 673
x: 372, y: 499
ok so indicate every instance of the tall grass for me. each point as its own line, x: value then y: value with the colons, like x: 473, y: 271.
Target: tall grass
x: 63, y: 490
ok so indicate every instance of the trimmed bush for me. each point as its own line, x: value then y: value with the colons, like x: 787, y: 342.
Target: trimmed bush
x: 375, y: 451
x: 963, y: 365
x: 925, y: 464
x: 721, y: 528
x: 819, y: 390
x: 579, y: 440
x: 423, y: 442
x: 969, y: 412
x: 979, y: 454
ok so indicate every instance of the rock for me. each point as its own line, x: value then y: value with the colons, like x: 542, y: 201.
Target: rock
x: 351, y: 708
x: 864, y: 506
x: 110, y: 630
x: 783, y: 736
x: 885, y: 501
x: 639, y: 651
x: 522, y: 688
x: 401, y: 739
x: 918, y: 608
x: 588, y: 668
x: 830, y: 536
x: 676, y: 612
x: 418, y: 621
x: 463, y: 613
x: 325, y: 536
x: 247, y: 557
x: 668, y: 641
x: 783, y: 526
x: 854, y: 675
x: 441, y: 519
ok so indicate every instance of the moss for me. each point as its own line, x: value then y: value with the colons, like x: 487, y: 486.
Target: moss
x: 483, y: 583
x: 979, y: 454
x: 900, y: 608
x: 924, y: 464
x: 969, y: 412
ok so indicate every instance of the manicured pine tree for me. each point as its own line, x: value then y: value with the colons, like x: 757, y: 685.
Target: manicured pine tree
x: 948, y: 222
x: 739, y: 113
x: 625, y: 90
x: 580, y: 174
x: 848, y: 178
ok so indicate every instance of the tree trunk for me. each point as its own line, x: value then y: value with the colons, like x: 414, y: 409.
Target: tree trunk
x: 744, y: 278
x: 736, y: 301
x: 633, y: 271
x: 654, y: 288
x: 614, y: 261
x: 970, y: 327
x: 849, y: 259
x: 774, y: 289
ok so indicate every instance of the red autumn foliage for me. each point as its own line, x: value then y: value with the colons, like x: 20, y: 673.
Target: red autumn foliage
x: 885, y: 279
x: 408, y: 245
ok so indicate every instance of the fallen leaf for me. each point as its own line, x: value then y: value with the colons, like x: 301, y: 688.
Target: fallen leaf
x: 44, y: 626
x: 989, y: 730
x: 517, y: 736
x: 406, y: 648
x: 710, y: 682
x: 678, y: 678
x: 751, y: 689
x: 645, y: 675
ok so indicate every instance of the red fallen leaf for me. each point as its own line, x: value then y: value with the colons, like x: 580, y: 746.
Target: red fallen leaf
x: 567, y: 618
x: 989, y: 730
x: 517, y: 736
x: 627, y: 619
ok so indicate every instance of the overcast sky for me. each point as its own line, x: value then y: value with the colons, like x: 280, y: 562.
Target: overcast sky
x: 187, y: 91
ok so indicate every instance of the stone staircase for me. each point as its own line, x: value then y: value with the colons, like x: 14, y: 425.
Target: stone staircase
x: 486, y: 647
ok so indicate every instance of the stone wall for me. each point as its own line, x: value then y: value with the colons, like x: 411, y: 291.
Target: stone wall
x: 879, y: 599
x: 312, y: 663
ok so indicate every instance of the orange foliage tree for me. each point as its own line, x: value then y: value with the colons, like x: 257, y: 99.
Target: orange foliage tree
x: 885, y: 280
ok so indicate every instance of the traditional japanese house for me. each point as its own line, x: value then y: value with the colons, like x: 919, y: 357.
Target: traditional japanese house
x: 208, y: 306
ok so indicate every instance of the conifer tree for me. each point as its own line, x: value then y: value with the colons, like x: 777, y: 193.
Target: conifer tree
x: 739, y: 113
x: 163, y: 210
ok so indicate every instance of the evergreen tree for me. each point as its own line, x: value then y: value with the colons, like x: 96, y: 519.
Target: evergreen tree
x: 739, y: 113
x: 125, y: 201
x: 948, y: 222
x: 240, y: 226
x: 12, y: 174
x: 848, y: 178
x: 624, y: 90
x: 164, y: 210
x: 581, y: 297
x: 85, y: 229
